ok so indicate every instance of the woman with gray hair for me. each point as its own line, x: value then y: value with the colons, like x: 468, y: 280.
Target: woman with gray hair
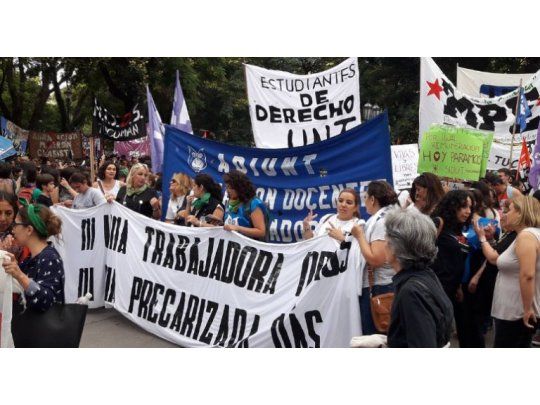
x: 421, y: 313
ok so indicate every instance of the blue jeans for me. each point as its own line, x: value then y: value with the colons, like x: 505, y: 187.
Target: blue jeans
x: 368, y: 327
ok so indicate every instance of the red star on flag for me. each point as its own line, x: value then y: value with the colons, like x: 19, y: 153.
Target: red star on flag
x: 435, y: 88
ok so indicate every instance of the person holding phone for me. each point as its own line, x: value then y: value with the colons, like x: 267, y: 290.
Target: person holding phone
x: 516, y: 299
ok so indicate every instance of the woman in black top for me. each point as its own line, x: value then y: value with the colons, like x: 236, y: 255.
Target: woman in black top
x: 204, y: 207
x: 137, y: 196
x: 452, y: 216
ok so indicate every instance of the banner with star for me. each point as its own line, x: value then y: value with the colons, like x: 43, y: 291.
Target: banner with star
x: 442, y: 103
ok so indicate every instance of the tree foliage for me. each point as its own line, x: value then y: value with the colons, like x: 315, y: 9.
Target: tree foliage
x: 55, y: 94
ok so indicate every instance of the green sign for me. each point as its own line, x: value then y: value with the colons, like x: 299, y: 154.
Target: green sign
x: 456, y: 153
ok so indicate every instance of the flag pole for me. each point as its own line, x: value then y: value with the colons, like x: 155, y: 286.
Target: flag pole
x: 92, y: 159
x: 514, y: 128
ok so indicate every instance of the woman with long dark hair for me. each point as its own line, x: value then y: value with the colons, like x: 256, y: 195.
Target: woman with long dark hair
x: 204, y: 207
x: 452, y: 216
x: 426, y: 192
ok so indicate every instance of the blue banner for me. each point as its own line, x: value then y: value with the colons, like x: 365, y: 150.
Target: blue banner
x: 290, y: 181
x: 18, y: 137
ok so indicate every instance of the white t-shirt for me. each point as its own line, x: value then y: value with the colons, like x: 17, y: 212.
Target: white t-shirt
x: 324, y: 224
x: 113, y: 191
x: 375, y: 230
x: 90, y: 198
x: 174, y: 205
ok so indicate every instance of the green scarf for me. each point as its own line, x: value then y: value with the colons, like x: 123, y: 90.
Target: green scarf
x: 234, y: 205
x: 35, y: 219
x: 132, y: 191
x: 202, y: 201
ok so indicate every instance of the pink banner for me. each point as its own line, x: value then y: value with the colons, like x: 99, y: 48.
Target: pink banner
x: 136, y: 147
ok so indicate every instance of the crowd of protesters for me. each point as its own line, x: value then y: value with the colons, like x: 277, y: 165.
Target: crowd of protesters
x: 464, y: 260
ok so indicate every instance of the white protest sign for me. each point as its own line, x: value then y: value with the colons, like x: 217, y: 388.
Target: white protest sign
x: 442, y: 103
x: 404, y: 165
x: 208, y: 287
x: 290, y: 110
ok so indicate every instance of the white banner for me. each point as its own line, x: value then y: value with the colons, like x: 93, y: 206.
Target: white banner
x: 476, y: 83
x: 404, y: 165
x: 85, y: 234
x: 208, y: 287
x: 290, y: 110
x: 8, y: 287
x: 442, y: 103
x: 6, y: 307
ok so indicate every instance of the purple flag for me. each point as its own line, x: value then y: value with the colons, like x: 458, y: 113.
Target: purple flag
x: 136, y: 147
x: 534, y: 174
x: 155, y: 133
x: 180, y: 116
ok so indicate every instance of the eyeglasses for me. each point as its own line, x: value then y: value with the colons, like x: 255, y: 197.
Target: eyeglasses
x: 20, y: 224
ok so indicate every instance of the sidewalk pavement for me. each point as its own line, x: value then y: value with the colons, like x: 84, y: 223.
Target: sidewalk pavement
x: 108, y: 328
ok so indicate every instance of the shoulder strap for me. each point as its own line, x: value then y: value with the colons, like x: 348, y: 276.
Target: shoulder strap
x: 100, y: 186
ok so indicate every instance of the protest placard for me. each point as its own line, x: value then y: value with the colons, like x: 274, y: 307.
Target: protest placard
x: 452, y: 152
x: 404, y: 165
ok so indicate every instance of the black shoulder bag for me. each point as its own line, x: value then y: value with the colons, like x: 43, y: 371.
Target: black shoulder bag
x: 60, y: 326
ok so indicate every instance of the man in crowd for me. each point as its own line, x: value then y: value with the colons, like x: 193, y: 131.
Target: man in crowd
x: 503, y: 185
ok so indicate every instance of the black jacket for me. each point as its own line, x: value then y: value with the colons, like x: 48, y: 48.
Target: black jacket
x: 421, y: 312
x: 449, y: 264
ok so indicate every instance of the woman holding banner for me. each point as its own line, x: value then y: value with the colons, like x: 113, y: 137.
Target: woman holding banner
x: 136, y: 195
x: 340, y: 224
x: 107, y: 180
x: 204, y: 207
x: 245, y: 213
x: 380, y: 199
x: 179, y: 188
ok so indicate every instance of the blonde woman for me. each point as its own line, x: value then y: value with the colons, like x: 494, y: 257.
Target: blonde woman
x: 179, y: 187
x: 516, y: 299
x: 137, y: 195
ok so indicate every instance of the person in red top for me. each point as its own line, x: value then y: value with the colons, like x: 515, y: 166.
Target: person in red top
x: 503, y: 189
